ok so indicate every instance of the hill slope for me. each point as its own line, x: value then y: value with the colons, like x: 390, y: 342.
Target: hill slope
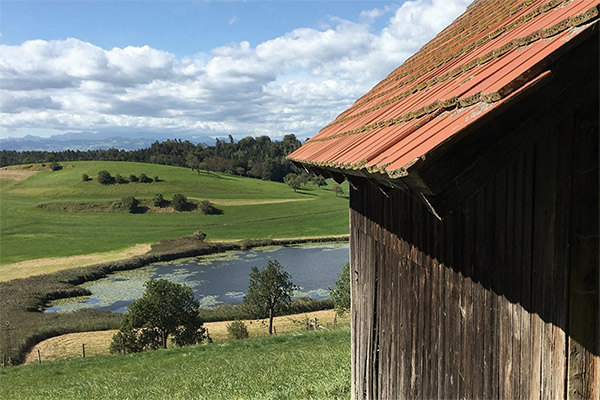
x: 291, y: 366
x: 252, y: 209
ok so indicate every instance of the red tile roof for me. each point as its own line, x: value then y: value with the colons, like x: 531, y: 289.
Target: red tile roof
x: 495, y: 50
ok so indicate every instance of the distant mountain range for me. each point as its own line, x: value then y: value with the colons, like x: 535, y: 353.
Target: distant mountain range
x: 94, y: 141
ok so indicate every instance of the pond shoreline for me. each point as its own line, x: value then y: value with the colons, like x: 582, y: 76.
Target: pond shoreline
x: 23, y: 300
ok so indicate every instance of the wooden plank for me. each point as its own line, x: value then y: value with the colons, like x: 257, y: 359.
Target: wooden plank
x: 584, y: 342
x: 503, y: 348
x: 536, y: 282
x: 514, y: 293
x: 467, y: 328
x: 526, y: 378
x: 478, y: 361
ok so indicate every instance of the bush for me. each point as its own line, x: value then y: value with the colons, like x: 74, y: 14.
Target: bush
x: 133, y: 178
x: 120, y: 180
x: 156, y: 178
x: 158, y: 200
x: 54, y: 166
x: 105, y: 178
x: 237, y: 330
x: 180, y: 202
x: 145, y: 178
x: 85, y: 178
x: 209, y: 208
x: 199, y: 235
x: 128, y: 203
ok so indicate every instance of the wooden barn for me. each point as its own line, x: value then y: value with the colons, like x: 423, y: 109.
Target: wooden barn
x: 474, y: 213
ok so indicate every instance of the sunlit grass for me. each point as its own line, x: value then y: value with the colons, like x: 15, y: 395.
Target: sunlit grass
x: 290, y: 366
x: 252, y: 209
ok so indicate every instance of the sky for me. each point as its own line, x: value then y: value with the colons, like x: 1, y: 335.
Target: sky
x: 200, y: 68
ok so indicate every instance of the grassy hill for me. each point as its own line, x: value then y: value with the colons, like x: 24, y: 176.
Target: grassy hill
x: 290, y: 366
x: 252, y: 209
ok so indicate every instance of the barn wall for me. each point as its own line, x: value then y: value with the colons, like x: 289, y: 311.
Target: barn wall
x: 500, y: 299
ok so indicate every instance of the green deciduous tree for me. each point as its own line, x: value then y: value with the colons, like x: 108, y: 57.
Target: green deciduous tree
x: 180, y: 202
x: 293, y: 181
x: 209, y: 208
x: 319, y: 181
x: 270, y: 291
x: 105, y: 178
x: 337, y: 189
x: 341, y: 293
x: 166, y: 309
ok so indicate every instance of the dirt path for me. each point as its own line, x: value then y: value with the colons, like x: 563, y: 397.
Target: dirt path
x: 40, y: 266
x: 97, y: 343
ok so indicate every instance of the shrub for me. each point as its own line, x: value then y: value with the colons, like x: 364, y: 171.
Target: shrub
x: 128, y: 203
x: 85, y: 178
x: 120, y: 180
x: 179, y: 202
x: 199, y: 235
x: 156, y: 178
x: 133, y: 178
x: 54, y: 166
x: 145, y: 178
x: 105, y: 178
x: 209, y: 208
x: 237, y: 330
x: 158, y: 200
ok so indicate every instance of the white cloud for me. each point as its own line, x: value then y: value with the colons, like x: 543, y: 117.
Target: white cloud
x: 232, y: 20
x: 295, y: 83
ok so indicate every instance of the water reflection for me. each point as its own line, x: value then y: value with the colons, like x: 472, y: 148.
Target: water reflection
x: 217, y: 278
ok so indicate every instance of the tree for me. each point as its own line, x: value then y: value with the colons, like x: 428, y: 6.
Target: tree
x: 209, y: 208
x: 269, y: 291
x: 105, y: 178
x: 179, y: 202
x: 158, y: 200
x: 129, y: 204
x: 120, y: 180
x: 191, y: 160
x: 145, y: 178
x: 337, y: 189
x: 85, y: 178
x: 166, y: 308
x: 292, y: 181
x: 341, y: 293
x: 133, y: 178
x: 319, y: 181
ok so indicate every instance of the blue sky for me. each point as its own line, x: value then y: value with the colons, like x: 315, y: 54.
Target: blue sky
x: 203, y: 68
x: 181, y: 27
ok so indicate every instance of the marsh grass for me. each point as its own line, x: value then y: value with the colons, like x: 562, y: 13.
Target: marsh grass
x: 22, y: 300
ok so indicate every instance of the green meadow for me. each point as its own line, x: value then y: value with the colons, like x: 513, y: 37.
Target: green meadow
x: 252, y: 209
x: 311, y: 365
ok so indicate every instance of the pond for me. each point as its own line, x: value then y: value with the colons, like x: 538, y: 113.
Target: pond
x: 217, y: 278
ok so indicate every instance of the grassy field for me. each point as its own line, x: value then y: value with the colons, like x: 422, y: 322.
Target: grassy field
x: 289, y: 366
x: 252, y: 209
x: 97, y: 343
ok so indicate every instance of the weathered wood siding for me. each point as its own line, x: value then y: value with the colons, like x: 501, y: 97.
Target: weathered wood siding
x: 498, y: 300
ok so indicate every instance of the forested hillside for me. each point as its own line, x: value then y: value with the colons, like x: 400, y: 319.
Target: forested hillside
x: 255, y: 157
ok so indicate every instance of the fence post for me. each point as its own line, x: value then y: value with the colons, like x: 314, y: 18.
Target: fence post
x: 39, y: 357
x: 335, y: 321
x: 4, y: 359
x: 83, y: 349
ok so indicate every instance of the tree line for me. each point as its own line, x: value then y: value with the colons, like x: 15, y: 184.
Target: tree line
x: 258, y: 157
